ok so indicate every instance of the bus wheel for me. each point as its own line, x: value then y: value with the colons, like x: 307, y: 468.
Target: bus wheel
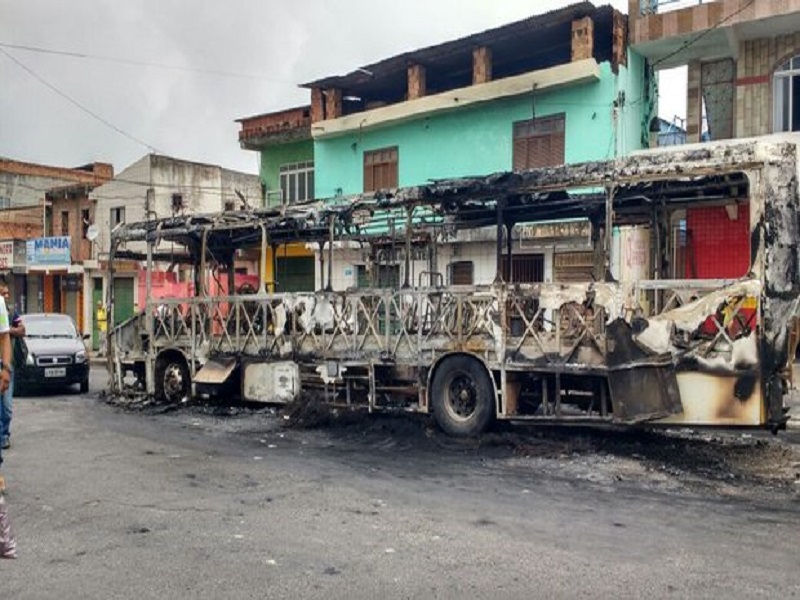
x: 173, y: 382
x: 462, y: 396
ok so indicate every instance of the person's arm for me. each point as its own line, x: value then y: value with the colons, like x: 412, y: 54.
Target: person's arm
x: 5, y: 347
x: 5, y: 354
x: 17, y: 329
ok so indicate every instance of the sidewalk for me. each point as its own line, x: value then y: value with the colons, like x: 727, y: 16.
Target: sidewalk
x: 97, y: 360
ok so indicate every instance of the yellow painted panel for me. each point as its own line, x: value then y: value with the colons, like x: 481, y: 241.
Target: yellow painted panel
x: 290, y: 251
x: 712, y: 400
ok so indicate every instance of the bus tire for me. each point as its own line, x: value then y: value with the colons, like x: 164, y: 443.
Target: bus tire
x: 173, y: 382
x: 462, y: 396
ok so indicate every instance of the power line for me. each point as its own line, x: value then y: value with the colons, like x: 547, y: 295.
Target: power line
x: 74, y: 102
x: 701, y: 35
x: 226, y: 193
x: 141, y: 63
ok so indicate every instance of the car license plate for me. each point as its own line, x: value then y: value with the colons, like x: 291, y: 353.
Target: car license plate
x: 56, y: 372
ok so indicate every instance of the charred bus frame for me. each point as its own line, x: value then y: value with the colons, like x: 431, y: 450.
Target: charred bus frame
x: 665, y: 349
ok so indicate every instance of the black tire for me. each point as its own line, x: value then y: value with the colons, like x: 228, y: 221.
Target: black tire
x: 173, y: 382
x: 85, y: 386
x: 462, y: 396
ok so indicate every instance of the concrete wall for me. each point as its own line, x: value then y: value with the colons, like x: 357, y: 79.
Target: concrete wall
x: 246, y: 184
x: 478, y: 140
x: 204, y: 189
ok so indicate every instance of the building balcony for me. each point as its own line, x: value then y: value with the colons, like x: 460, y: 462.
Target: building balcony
x: 657, y: 7
x: 280, y: 127
x: 672, y: 33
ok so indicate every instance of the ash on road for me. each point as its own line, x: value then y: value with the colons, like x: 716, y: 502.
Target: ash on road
x: 216, y: 502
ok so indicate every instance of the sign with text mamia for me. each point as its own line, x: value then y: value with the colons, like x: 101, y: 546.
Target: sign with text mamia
x: 49, y: 251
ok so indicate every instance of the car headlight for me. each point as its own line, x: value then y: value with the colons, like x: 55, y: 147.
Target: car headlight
x: 29, y: 359
x: 80, y: 356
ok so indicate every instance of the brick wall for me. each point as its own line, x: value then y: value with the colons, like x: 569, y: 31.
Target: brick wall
x: 702, y: 17
x: 275, y: 123
x: 81, y: 248
x: 21, y: 223
x: 582, y: 39
x: 93, y: 173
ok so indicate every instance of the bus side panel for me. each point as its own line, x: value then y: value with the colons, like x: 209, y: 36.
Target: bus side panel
x: 715, y: 399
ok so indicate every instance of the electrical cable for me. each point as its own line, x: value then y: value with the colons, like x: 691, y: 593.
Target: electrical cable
x: 140, y: 63
x: 688, y: 43
x: 78, y: 104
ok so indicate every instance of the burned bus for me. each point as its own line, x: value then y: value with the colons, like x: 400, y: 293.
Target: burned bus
x: 682, y: 339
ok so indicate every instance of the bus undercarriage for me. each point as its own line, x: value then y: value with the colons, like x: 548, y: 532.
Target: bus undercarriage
x: 664, y: 347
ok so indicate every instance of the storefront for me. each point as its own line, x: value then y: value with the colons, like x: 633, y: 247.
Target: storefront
x: 53, y: 283
x: 12, y: 268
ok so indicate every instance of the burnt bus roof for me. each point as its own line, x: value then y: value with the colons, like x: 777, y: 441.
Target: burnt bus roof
x: 680, y: 175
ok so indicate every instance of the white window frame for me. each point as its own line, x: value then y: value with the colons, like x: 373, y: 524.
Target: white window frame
x: 294, y: 178
x: 787, y: 70
x: 120, y: 212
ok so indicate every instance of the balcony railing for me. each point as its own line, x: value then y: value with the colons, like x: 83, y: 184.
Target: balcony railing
x: 655, y: 7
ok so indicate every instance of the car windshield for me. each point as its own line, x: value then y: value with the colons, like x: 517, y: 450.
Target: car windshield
x: 49, y: 327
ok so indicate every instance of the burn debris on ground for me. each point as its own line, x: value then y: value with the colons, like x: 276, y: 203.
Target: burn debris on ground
x: 734, y: 457
x: 732, y: 462
x: 310, y: 411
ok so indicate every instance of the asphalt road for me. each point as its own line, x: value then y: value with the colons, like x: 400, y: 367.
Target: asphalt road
x: 108, y: 503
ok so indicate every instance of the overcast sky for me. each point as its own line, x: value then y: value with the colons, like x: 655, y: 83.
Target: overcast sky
x: 227, y: 60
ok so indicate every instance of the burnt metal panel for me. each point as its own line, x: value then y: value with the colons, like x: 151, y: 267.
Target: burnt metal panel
x: 216, y: 371
x: 643, y: 386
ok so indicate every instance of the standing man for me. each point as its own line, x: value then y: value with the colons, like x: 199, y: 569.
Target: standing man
x: 5, y: 359
x: 102, y: 325
x: 16, y: 330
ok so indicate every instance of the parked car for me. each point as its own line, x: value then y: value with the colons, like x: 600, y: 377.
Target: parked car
x: 52, y: 354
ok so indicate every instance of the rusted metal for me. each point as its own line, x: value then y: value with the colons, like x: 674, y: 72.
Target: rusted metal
x: 698, y: 351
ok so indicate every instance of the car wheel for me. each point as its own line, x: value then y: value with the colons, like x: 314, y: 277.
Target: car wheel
x: 85, y: 386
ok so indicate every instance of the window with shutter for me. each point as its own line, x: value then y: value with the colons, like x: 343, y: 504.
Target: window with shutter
x: 380, y: 169
x: 461, y: 273
x: 539, y: 143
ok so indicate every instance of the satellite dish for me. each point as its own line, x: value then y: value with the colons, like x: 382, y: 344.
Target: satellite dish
x: 92, y: 232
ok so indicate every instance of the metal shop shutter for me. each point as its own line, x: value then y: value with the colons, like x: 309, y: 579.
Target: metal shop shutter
x: 123, y: 299
x: 296, y: 274
x: 573, y: 267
